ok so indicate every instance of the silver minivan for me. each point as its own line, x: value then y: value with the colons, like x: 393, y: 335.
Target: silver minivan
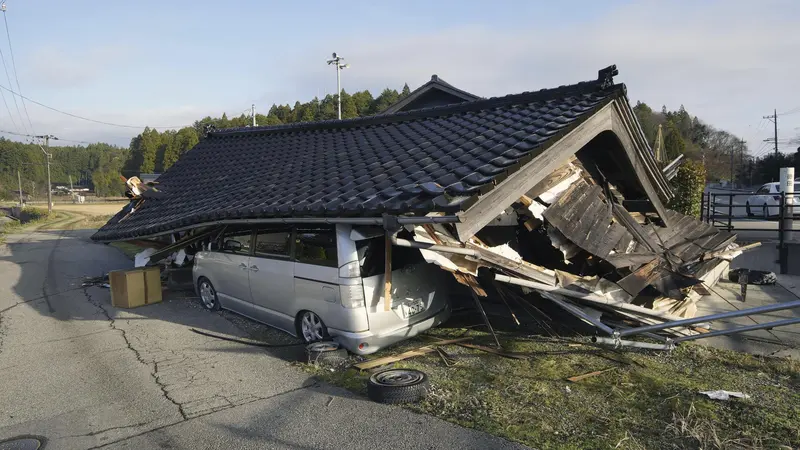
x: 321, y: 281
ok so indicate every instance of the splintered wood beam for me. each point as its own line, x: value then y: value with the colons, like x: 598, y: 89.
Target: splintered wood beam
x: 372, y: 363
x: 387, y: 278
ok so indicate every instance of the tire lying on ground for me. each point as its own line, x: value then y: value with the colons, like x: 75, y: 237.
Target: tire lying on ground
x: 395, y: 386
x: 327, y: 352
x: 757, y: 277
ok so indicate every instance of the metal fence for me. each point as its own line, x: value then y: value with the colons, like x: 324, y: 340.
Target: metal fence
x: 721, y: 210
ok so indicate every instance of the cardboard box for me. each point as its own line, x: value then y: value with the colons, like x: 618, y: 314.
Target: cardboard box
x: 136, y: 287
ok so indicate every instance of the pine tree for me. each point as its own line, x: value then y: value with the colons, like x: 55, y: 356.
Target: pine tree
x: 405, y: 92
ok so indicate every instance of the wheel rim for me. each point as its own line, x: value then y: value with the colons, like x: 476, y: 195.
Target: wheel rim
x: 207, y: 294
x: 311, y: 326
x: 397, y: 377
x: 319, y: 347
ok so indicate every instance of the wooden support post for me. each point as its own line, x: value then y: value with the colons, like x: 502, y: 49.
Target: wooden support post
x: 387, y: 278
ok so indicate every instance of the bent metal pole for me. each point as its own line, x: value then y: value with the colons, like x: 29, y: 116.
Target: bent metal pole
x: 759, y: 326
x: 709, y: 318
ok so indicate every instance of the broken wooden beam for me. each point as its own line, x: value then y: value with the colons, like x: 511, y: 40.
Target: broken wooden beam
x: 405, y: 355
x: 577, y: 378
x: 387, y: 277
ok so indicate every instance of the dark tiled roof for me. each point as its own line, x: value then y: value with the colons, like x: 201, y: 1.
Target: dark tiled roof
x: 436, y: 159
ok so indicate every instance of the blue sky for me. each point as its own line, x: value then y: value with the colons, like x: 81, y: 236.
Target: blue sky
x: 167, y: 63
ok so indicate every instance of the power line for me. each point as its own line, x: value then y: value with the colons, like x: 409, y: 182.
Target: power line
x: 14, y: 66
x: 111, y: 124
x: 791, y: 111
x: 16, y: 105
x: 33, y: 136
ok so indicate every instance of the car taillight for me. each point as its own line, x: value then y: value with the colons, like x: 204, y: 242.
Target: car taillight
x: 352, y: 296
x: 350, y: 270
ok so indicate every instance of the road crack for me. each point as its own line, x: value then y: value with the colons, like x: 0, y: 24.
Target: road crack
x: 154, y: 372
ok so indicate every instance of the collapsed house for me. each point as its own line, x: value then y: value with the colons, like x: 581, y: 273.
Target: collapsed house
x: 554, y: 194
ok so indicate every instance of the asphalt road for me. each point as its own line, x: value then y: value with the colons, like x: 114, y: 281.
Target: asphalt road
x: 83, y: 374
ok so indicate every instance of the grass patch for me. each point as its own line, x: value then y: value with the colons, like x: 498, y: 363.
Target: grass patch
x: 91, y: 222
x: 649, y: 401
x: 37, y: 218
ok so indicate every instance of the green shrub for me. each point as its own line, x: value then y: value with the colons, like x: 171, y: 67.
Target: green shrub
x: 688, y: 186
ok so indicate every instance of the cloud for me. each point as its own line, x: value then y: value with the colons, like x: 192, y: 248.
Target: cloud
x: 67, y: 67
x: 727, y: 62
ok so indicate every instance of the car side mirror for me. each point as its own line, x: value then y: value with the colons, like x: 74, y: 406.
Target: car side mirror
x: 233, y: 245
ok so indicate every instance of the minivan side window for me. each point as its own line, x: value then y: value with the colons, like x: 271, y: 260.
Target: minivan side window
x: 273, y: 243
x: 238, y: 242
x: 316, y: 245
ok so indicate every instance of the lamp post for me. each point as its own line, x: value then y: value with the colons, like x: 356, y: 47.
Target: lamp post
x: 338, y: 61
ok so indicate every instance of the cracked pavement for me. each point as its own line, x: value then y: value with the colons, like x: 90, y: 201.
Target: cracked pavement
x: 84, y: 374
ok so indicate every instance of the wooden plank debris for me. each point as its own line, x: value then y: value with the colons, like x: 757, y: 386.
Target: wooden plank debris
x: 372, y: 363
x: 387, y: 278
x: 493, y: 351
x: 577, y: 378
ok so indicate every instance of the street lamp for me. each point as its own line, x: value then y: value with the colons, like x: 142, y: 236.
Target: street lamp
x: 338, y: 61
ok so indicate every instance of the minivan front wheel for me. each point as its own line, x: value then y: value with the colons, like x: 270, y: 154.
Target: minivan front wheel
x: 208, y: 296
x: 310, y: 327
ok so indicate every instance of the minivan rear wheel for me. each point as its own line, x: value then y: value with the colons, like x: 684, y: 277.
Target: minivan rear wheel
x: 310, y: 327
x: 208, y: 295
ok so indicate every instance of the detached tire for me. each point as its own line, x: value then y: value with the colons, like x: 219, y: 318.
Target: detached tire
x: 325, y: 353
x: 395, y: 386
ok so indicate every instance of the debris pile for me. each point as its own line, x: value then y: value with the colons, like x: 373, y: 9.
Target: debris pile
x: 574, y: 241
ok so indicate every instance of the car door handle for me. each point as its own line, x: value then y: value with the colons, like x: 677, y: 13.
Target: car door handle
x: 243, y: 266
x: 254, y: 268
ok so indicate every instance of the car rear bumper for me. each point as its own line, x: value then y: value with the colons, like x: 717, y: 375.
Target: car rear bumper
x: 374, y: 341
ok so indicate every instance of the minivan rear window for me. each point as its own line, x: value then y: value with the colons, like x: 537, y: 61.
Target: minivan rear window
x: 316, y: 246
x: 372, y: 255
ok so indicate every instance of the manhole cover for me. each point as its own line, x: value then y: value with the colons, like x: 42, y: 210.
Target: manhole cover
x: 22, y: 443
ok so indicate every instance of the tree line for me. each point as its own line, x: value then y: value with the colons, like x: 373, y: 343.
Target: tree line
x: 100, y: 166
x: 686, y: 134
x: 96, y: 165
x: 154, y: 151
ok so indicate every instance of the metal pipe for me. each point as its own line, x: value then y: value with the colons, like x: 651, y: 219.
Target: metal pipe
x: 758, y: 326
x: 634, y: 344
x: 710, y: 318
x: 434, y: 247
x: 577, y: 312
x: 594, y: 298
x: 302, y: 220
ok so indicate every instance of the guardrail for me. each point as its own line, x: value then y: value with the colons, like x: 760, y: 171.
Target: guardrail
x: 711, y: 211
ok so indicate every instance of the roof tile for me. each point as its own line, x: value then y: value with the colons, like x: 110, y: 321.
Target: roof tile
x: 434, y: 159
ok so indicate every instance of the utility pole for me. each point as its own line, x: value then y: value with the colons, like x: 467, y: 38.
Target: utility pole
x: 70, y: 184
x: 19, y: 181
x: 338, y: 61
x: 774, y: 119
x: 733, y: 151
x: 47, y: 155
x: 253, y: 113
